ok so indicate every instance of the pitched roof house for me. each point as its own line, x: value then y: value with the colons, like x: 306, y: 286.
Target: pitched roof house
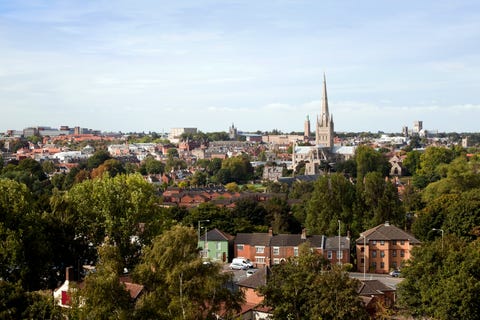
x: 383, y: 248
x: 266, y: 249
x: 217, y: 245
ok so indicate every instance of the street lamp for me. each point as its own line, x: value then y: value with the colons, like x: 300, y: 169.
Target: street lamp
x: 364, y: 256
x: 200, y: 221
x: 441, y: 230
x: 339, y: 243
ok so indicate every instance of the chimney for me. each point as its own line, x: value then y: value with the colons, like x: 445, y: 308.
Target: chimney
x: 270, y: 231
x: 348, y: 234
x: 69, y: 274
x: 304, y: 234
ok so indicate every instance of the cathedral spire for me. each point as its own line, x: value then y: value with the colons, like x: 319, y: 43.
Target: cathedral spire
x: 325, y: 114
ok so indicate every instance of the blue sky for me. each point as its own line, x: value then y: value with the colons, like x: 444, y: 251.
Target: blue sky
x: 148, y: 65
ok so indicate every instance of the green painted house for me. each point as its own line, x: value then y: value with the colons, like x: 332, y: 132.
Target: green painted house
x: 216, y: 245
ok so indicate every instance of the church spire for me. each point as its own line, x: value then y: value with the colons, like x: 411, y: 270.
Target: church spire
x: 325, y: 115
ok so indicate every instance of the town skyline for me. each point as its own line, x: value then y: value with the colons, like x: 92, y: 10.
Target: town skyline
x: 142, y: 66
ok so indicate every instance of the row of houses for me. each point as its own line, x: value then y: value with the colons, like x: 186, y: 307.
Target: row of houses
x: 378, y: 250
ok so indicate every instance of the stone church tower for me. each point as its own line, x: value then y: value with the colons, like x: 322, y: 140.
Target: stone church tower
x: 324, y: 127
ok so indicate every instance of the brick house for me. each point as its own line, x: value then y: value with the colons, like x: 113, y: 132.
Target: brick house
x: 266, y: 249
x: 383, y: 248
x: 252, y: 308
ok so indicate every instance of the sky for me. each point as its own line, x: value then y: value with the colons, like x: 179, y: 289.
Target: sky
x: 152, y: 65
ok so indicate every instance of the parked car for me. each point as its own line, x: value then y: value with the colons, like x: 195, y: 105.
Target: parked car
x: 395, y: 273
x: 245, y: 262
x: 238, y: 266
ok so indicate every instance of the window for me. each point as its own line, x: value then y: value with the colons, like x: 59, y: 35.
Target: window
x: 362, y: 261
x: 329, y: 254
x: 402, y: 242
x: 382, y: 253
x: 394, y: 253
x: 219, y: 245
x: 382, y: 265
x: 374, y: 253
x: 394, y: 265
x: 374, y: 242
x: 276, y: 261
x: 402, y: 253
x: 394, y: 242
x: 239, y: 247
x: 295, y: 251
x: 259, y: 249
x: 382, y: 243
x: 374, y: 265
x: 260, y: 259
x: 339, y: 254
x: 362, y: 249
x: 276, y: 251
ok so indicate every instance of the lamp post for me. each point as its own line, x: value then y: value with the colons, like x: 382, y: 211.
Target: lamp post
x: 441, y: 230
x: 205, y: 248
x: 200, y: 221
x: 339, y: 243
x: 364, y: 256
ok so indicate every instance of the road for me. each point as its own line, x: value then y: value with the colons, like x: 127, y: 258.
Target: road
x: 384, y: 278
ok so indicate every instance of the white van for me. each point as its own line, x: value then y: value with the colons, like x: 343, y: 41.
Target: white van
x: 242, y: 261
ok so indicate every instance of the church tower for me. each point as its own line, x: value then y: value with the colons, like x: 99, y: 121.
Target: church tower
x: 324, y: 127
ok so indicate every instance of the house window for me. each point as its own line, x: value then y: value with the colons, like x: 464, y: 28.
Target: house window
x: 339, y: 254
x: 402, y: 242
x: 394, y: 242
x: 374, y: 265
x: 394, y: 253
x: 259, y: 249
x: 260, y: 260
x: 374, y: 253
x: 219, y: 245
x: 276, y: 251
x: 329, y: 254
x: 295, y: 251
x: 382, y: 253
x: 239, y: 247
x: 382, y: 243
x: 382, y: 265
x: 394, y: 265
x: 276, y: 261
x: 374, y: 242
x: 362, y: 261
x: 402, y: 253
x: 362, y: 249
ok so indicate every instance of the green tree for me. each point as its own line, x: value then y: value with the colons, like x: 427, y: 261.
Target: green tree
x: 98, y: 158
x: 332, y: 199
x: 369, y: 160
x: 103, y: 295
x: 178, y: 284
x: 302, y: 288
x: 113, y: 207
x: 442, y: 280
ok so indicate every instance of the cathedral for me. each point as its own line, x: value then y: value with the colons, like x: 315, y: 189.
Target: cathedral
x: 319, y: 158
x: 324, y: 126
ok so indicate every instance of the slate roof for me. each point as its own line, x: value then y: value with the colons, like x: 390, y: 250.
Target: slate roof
x: 294, y: 240
x: 254, y: 239
x: 256, y: 280
x: 373, y: 287
x: 217, y: 235
x: 332, y: 243
x: 387, y: 232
